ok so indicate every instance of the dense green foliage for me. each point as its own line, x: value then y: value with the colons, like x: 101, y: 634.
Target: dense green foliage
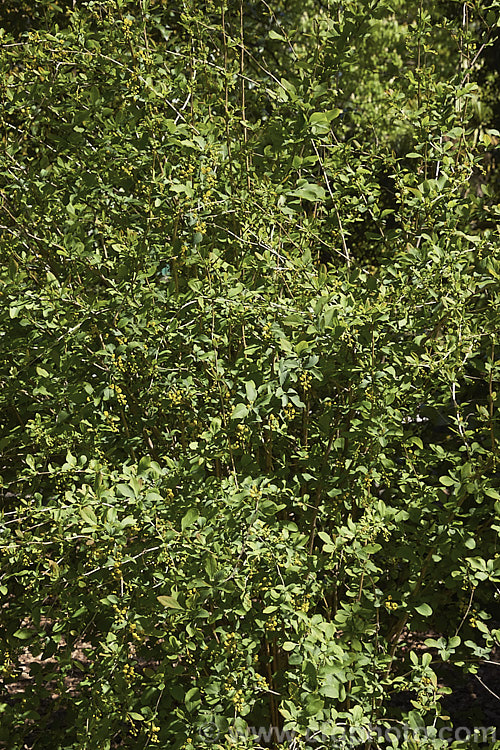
x: 249, y: 446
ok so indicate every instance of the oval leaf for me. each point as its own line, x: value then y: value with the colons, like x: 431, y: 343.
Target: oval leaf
x: 424, y: 609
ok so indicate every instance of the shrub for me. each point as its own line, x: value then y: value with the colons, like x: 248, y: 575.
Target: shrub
x: 249, y: 403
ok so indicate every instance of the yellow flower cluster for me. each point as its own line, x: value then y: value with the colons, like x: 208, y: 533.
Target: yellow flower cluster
x: 238, y: 700
x: 230, y: 641
x: 186, y: 172
x: 210, y: 181
x: 7, y: 667
x: 255, y: 493
x: 274, y: 422
x: 122, y: 613
x: 305, y: 379
x: 117, y: 568
x: 153, y: 737
x: 473, y: 618
x: 148, y: 59
x: 175, y: 396
x: 200, y: 226
x: 305, y: 604
x: 272, y: 623
x: 120, y: 396
x: 188, y: 658
x: 135, y: 634
x: 242, y: 434
x: 261, y: 682
x: 289, y: 412
x: 133, y: 730
x: 127, y: 26
x: 111, y: 421
x: 266, y: 332
x: 128, y: 673
x: 390, y: 605
x: 116, y: 361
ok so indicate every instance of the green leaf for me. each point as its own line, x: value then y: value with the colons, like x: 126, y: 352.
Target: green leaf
x: 23, y: 634
x: 330, y: 690
x: 240, y: 411
x: 211, y: 565
x: 189, y: 518
x: 274, y: 35
x: 13, y: 268
x: 314, y: 704
x: 319, y: 122
x: 169, y: 601
x: 309, y: 191
x: 193, y: 698
x: 447, y: 481
x: 490, y: 492
x: 326, y: 538
x: 88, y: 515
x: 301, y: 346
x: 128, y: 521
x: 424, y: 610
x: 125, y: 490
x: 416, y: 441
x: 251, y: 391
